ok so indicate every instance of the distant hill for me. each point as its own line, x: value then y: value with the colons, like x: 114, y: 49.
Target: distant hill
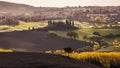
x: 37, y: 41
x: 38, y: 60
x: 15, y: 9
x: 19, y: 9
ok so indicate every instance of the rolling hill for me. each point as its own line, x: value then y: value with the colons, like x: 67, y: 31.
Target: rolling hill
x: 15, y: 9
x: 20, y: 9
x: 37, y: 41
x: 40, y: 60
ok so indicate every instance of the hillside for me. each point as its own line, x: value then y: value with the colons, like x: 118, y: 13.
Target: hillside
x: 110, y: 49
x: 36, y: 41
x: 88, y: 32
x: 15, y: 9
x: 19, y: 9
x: 39, y: 60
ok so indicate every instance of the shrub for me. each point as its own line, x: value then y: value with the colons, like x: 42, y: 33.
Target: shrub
x: 117, y: 35
x: 116, y: 43
x: 96, y: 47
x: 97, y: 33
x: 95, y: 38
x: 85, y: 49
x: 68, y: 50
x: 73, y: 35
x: 5, y: 50
x: 49, y: 51
x: 109, y: 35
x: 59, y: 52
x: 10, y: 21
x: 52, y: 35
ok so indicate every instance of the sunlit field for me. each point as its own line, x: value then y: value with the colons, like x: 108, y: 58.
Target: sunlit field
x: 5, y: 50
x: 23, y: 26
x: 104, y: 59
x: 89, y: 31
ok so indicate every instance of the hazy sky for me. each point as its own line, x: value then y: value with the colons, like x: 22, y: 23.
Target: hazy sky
x: 63, y: 3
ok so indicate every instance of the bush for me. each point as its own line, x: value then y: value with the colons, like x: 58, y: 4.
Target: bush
x: 84, y: 49
x: 116, y: 43
x: 5, y: 50
x: 10, y: 21
x: 49, y: 52
x: 73, y: 35
x: 109, y: 35
x: 59, y: 52
x: 52, y: 35
x: 97, y: 33
x: 117, y: 35
x: 68, y: 50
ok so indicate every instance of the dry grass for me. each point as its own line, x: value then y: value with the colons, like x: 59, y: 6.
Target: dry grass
x: 107, y: 60
x: 5, y: 50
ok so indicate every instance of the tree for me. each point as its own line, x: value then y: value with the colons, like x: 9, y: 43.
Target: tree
x: 69, y: 34
x: 96, y: 47
x: 67, y: 22
x: 95, y: 38
x: 11, y: 22
x: 68, y: 50
x: 96, y: 33
x: 72, y: 23
x: 92, y: 18
x: 73, y: 35
x: 109, y: 36
x: 52, y: 35
x: 98, y: 19
x: 116, y: 43
x: 85, y: 37
x: 85, y: 49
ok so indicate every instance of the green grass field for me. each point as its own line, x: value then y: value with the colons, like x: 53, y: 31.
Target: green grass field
x: 89, y: 31
x: 22, y: 26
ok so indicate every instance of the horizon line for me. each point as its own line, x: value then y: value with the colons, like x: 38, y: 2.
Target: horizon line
x: 64, y: 6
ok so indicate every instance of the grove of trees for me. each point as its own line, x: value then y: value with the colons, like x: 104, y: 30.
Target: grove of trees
x: 60, y: 25
x: 72, y: 35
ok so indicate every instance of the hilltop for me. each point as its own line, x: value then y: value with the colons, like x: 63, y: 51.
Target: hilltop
x: 20, y: 9
x: 13, y: 8
x: 17, y: 9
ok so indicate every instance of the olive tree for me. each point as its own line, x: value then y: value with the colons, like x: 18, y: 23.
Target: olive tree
x: 73, y: 35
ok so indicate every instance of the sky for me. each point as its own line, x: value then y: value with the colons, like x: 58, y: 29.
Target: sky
x: 63, y: 3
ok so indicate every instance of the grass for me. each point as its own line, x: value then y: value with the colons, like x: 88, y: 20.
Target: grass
x: 86, y: 31
x: 5, y: 50
x: 110, y: 49
x: 89, y: 31
x: 105, y: 59
x: 22, y: 26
